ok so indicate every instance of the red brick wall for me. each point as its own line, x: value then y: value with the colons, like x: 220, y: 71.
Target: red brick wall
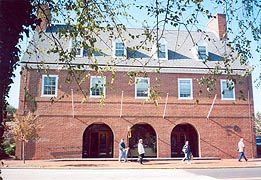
x: 61, y: 134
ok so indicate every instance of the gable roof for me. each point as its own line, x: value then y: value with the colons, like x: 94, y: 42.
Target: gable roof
x: 180, y: 44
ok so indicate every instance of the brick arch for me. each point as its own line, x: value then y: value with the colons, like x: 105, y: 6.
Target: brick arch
x: 181, y: 133
x: 146, y: 132
x: 97, y: 141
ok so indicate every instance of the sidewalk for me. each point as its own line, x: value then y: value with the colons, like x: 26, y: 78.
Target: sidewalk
x: 114, y: 164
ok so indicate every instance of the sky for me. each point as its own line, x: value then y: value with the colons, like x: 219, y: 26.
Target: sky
x: 15, y: 87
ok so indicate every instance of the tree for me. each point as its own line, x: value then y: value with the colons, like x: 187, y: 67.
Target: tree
x: 8, y: 146
x: 15, y: 16
x: 25, y: 128
x: 258, y: 124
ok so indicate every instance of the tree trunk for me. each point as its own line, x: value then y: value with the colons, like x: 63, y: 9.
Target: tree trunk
x: 23, y: 146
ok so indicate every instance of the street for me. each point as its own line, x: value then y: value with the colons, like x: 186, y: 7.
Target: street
x: 131, y: 174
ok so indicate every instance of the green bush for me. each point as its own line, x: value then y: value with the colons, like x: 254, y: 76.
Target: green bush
x: 9, y: 146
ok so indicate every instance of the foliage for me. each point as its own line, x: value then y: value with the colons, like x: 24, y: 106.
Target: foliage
x: 15, y: 17
x: 258, y: 124
x: 25, y: 128
x: 9, y: 146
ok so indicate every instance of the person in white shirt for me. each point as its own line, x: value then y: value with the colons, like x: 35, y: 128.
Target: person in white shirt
x: 141, y: 151
x: 241, y: 150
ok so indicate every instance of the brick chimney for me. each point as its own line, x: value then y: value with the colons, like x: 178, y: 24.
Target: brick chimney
x: 44, y: 16
x: 218, y: 25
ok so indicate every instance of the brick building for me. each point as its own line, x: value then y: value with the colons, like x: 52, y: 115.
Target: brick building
x: 72, y: 128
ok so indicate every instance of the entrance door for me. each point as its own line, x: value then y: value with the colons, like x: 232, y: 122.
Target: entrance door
x: 180, y: 134
x: 97, y: 142
x: 177, y: 142
x: 104, y: 144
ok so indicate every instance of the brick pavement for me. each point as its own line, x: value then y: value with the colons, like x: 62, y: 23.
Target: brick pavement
x: 149, y: 164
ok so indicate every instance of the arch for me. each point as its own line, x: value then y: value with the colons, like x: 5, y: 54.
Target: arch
x: 145, y: 132
x: 97, y: 141
x: 180, y: 134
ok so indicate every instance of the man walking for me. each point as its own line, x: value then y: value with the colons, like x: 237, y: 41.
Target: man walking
x: 241, y: 150
x: 122, y: 151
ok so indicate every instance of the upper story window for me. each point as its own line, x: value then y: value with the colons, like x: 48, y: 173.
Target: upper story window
x: 97, y: 86
x: 76, y: 44
x: 49, y: 85
x: 185, y: 89
x: 227, y: 90
x: 119, y: 49
x: 162, y: 49
x: 142, y: 87
x: 200, y: 51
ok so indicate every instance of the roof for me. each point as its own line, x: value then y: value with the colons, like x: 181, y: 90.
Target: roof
x: 180, y: 44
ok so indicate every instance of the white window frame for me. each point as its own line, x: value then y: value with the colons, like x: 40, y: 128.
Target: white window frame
x: 103, y: 84
x: 195, y: 50
x: 191, y: 88
x: 165, y: 50
x: 137, y: 80
x: 156, y: 50
x: 43, y: 86
x: 200, y: 56
x: 224, y: 89
x: 80, y: 48
x: 124, y: 48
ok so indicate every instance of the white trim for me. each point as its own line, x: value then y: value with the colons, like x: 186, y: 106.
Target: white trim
x: 56, y: 86
x: 114, y: 49
x: 222, y: 89
x: 136, y: 84
x: 194, y: 50
x: 104, y: 89
x: 155, y: 50
x: 71, y: 46
x: 191, y: 88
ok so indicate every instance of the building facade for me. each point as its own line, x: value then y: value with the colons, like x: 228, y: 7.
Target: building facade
x: 152, y: 94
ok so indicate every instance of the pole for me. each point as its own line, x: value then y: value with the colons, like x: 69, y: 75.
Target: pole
x: 212, y: 106
x: 165, y: 105
x: 121, y: 103
x: 72, y: 103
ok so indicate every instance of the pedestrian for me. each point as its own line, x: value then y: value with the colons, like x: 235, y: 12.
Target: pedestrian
x: 241, y: 150
x: 122, y: 151
x: 141, y: 151
x: 186, y: 150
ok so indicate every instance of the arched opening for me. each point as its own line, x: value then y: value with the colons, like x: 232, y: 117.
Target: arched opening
x: 148, y: 135
x: 97, y: 141
x: 180, y: 134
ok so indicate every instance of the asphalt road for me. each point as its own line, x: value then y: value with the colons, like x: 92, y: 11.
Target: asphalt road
x: 131, y: 174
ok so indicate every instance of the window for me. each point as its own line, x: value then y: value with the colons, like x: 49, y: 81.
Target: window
x: 97, y: 86
x: 49, y: 85
x: 202, y: 52
x: 141, y: 87
x: 77, y: 45
x: 227, y: 90
x: 119, y: 49
x: 185, y: 89
x: 161, y: 50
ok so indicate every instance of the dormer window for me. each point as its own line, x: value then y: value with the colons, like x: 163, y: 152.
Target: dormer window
x: 76, y: 44
x: 200, y: 51
x: 119, y: 49
x: 161, y: 49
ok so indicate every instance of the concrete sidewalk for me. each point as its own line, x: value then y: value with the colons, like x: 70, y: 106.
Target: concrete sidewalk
x: 131, y: 164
